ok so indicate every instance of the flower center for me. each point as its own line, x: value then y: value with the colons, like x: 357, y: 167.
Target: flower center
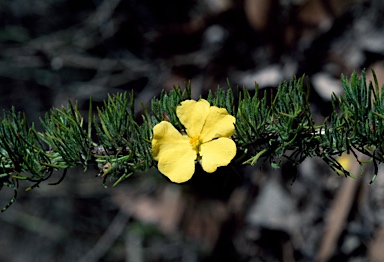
x: 194, y: 141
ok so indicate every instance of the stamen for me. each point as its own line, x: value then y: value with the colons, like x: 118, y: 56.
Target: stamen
x: 194, y: 141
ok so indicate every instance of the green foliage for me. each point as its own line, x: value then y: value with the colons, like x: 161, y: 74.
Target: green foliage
x: 20, y: 151
x: 124, y: 145
x: 223, y: 99
x: 359, y: 125
x: 269, y: 127
x: 164, y: 107
x: 68, y: 141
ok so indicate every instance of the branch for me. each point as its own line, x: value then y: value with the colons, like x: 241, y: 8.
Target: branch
x: 268, y: 128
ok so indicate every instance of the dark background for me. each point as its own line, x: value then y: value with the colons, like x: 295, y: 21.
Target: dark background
x: 55, y: 50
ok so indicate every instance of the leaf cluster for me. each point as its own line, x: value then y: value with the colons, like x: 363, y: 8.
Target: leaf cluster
x: 280, y: 125
x: 358, y: 124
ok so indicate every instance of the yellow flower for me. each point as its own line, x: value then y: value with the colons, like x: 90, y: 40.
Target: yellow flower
x: 207, y: 140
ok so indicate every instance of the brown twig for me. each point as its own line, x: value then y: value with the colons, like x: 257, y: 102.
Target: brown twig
x: 337, y: 217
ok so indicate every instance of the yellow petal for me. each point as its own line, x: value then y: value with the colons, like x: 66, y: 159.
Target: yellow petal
x: 175, y: 155
x: 218, y: 124
x: 215, y: 153
x: 177, y: 164
x: 192, y: 115
x: 163, y: 134
x: 345, y: 160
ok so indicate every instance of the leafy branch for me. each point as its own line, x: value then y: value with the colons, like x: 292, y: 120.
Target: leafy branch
x: 268, y: 129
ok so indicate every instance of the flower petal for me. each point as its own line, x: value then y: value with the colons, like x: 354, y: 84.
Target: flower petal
x: 175, y: 155
x: 192, y: 115
x: 218, y: 152
x: 218, y: 124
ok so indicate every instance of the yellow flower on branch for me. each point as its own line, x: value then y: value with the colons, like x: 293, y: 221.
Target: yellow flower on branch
x: 208, y: 129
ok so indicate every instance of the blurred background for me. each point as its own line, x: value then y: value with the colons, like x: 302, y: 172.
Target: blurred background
x: 55, y: 50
